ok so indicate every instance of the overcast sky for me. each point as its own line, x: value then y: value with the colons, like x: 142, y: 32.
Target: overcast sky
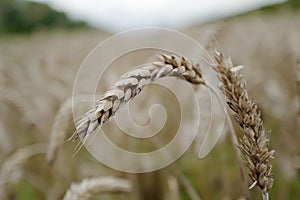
x: 120, y: 15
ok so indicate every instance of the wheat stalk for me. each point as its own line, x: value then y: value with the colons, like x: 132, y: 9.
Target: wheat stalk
x: 234, y: 141
x: 183, y: 180
x: 13, y: 164
x: 131, y: 84
x: 89, y: 188
x: 255, y: 142
x: 298, y: 89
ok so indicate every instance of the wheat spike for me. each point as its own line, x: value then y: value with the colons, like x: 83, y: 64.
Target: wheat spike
x: 59, y: 129
x: 255, y: 142
x: 13, y: 164
x: 14, y: 98
x: 131, y: 84
x: 89, y: 188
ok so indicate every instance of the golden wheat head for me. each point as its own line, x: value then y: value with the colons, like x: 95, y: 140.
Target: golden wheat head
x: 131, y: 84
x: 255, y: 142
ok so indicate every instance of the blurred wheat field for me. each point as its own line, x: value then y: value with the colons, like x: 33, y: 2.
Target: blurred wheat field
x: 37, y: 73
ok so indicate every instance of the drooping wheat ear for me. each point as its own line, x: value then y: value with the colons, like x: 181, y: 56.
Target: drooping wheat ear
x: 14, y: 163
x: 255, y: 142
x: 131, y: 84
x: 59, y: 129
x: 89, y: 188
x: 12, y: 97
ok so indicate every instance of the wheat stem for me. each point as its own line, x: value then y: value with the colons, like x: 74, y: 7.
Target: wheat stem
x: 234, y: 141
x: 186, y: 184
x: 265, y: 196
x: 298, y: 89
x: 183, y: 180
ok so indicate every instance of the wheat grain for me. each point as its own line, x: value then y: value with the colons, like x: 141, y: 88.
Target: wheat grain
x: 131, y: 84
x: 255, y: 142
x: 89, y: 188
x: 14, y: 163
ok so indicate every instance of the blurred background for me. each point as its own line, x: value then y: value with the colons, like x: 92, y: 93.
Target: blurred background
x: 44, y: 42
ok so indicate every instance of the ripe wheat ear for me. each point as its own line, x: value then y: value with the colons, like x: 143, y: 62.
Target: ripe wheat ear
x: 131, y: 84
x: 89, y: 188
x: 255, y: 142
x: 59, y: 130
x: 14, y: 163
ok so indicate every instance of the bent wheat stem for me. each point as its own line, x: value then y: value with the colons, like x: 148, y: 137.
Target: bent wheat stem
x: 235, y: 143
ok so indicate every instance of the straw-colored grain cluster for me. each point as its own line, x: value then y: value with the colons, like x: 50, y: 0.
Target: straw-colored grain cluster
x: 255, y: 142
x: 131, y: 84
x: 89, y: 188
x: 59, y: 129
x: 13, y: 165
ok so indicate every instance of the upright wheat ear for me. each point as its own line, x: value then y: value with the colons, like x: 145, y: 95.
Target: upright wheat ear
x: 131, y: 84
x: 255, y: 142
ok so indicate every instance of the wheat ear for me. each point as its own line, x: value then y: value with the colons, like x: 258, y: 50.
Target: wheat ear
x: 255, y: 141
x: 131, y: 84
x: 59, y: 129
x: 13, y: 164
x: 89, y: 188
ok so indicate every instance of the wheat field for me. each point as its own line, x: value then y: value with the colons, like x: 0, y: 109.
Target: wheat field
x: 37, y: 73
